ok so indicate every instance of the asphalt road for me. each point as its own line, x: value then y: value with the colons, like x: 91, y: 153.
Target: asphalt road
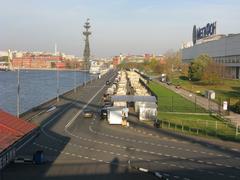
x: 80, y: 148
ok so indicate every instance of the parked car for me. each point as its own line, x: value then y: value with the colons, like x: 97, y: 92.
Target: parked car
x: 87, y: 113
x: 107, y: 104
x: 103, y: 114
x: 105, y: 97
x: 107, y: 82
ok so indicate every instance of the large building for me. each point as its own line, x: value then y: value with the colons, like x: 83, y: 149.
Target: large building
x: 41, y: 60
x: 223, y: 49
x: 32, y: 61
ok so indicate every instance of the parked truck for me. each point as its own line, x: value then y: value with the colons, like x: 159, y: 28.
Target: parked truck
x: 114, y: 115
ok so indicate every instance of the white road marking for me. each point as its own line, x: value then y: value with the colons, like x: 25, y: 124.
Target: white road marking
x: 88, y: 139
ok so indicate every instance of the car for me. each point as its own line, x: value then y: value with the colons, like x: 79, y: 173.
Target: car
x: 107, y: 82
x: 104, y: 97
x: 87, y: 113
x: 107, y: 103
x: 103, y: 113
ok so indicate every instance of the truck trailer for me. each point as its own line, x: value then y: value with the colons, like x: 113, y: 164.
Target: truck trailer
x: 115, y: 115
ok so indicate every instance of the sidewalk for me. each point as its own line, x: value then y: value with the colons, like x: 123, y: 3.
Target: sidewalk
x: 203, y: 102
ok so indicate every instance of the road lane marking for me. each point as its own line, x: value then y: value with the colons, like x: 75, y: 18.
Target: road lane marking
x: 88, y: 139
x: 81, y: 110
x: 176, y: 157
x: 86, y: 157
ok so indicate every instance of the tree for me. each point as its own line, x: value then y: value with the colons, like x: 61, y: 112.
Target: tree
x: 236, y: 107
x: 195, y: 71
x: 212, y: 73
x: 152, y: 65
x: 184, y: 69
x: 172, y: 63
x: 204, y: 68
x: 196, y: 68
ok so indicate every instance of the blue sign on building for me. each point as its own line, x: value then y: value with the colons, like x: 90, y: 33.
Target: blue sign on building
x: 200, y: 33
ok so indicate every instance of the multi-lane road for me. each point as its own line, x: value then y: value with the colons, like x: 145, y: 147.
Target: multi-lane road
x: 79, y: 148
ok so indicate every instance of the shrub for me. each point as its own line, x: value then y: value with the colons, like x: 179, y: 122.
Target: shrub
x: 236, y: 107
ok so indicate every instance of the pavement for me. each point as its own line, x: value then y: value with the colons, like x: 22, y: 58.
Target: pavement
x: 203, y: 102
x: 89, y: 148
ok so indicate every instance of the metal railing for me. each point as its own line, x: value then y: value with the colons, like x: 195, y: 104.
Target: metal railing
x: 222, y: 129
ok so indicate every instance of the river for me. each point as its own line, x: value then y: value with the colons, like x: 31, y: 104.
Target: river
x: 36, y: 87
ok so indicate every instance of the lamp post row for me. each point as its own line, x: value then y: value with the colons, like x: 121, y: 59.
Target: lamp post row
x: 58, y: 86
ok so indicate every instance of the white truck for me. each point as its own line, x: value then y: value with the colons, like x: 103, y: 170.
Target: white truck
x: 114, y: 115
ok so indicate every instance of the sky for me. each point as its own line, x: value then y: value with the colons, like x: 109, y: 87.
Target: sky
x: 117, y: 26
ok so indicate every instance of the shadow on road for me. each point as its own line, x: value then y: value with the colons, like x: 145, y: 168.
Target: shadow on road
x: 114, y: 165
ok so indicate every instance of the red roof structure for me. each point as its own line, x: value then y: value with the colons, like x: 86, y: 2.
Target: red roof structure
x: 12, y: 129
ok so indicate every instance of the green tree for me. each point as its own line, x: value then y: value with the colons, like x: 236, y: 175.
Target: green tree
x: 204, y: 68
x: 236, y: 107
x: 153, y: 63
x: 197, y: 67
x: 195, y: 71
x: 212, y: 73
x: 172, y: 63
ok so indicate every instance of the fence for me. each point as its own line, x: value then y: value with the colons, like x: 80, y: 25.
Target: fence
x: 222, y: 129
x: 217, y: 106
x: 179, y: 104
x: 196, y: 105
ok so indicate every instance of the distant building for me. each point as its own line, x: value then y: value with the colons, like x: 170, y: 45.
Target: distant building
x: 147, y: 57
x: 116, y: 61
x: 60, y: 65
x: 223, y: 49
x: 38, y: 60
x: 68, y: 57
x: 41, y: 61
x: 160, y: 58
x: 134, y: 58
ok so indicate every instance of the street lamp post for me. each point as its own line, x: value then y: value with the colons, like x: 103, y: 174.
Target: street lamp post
x: 75, y: 78
x: 57, y: 85
x: 85, y: 75
x: 18, y: 92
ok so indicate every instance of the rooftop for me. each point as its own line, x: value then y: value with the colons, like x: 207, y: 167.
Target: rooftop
x: 12, y: 129
x: 132, y: 98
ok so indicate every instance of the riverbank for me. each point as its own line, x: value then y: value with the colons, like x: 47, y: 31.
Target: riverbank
x: 49, y: 69
x: 64, y: 99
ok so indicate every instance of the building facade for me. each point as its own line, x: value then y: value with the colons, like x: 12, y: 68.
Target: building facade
x: 37, y: 62
x: 224, y: 50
